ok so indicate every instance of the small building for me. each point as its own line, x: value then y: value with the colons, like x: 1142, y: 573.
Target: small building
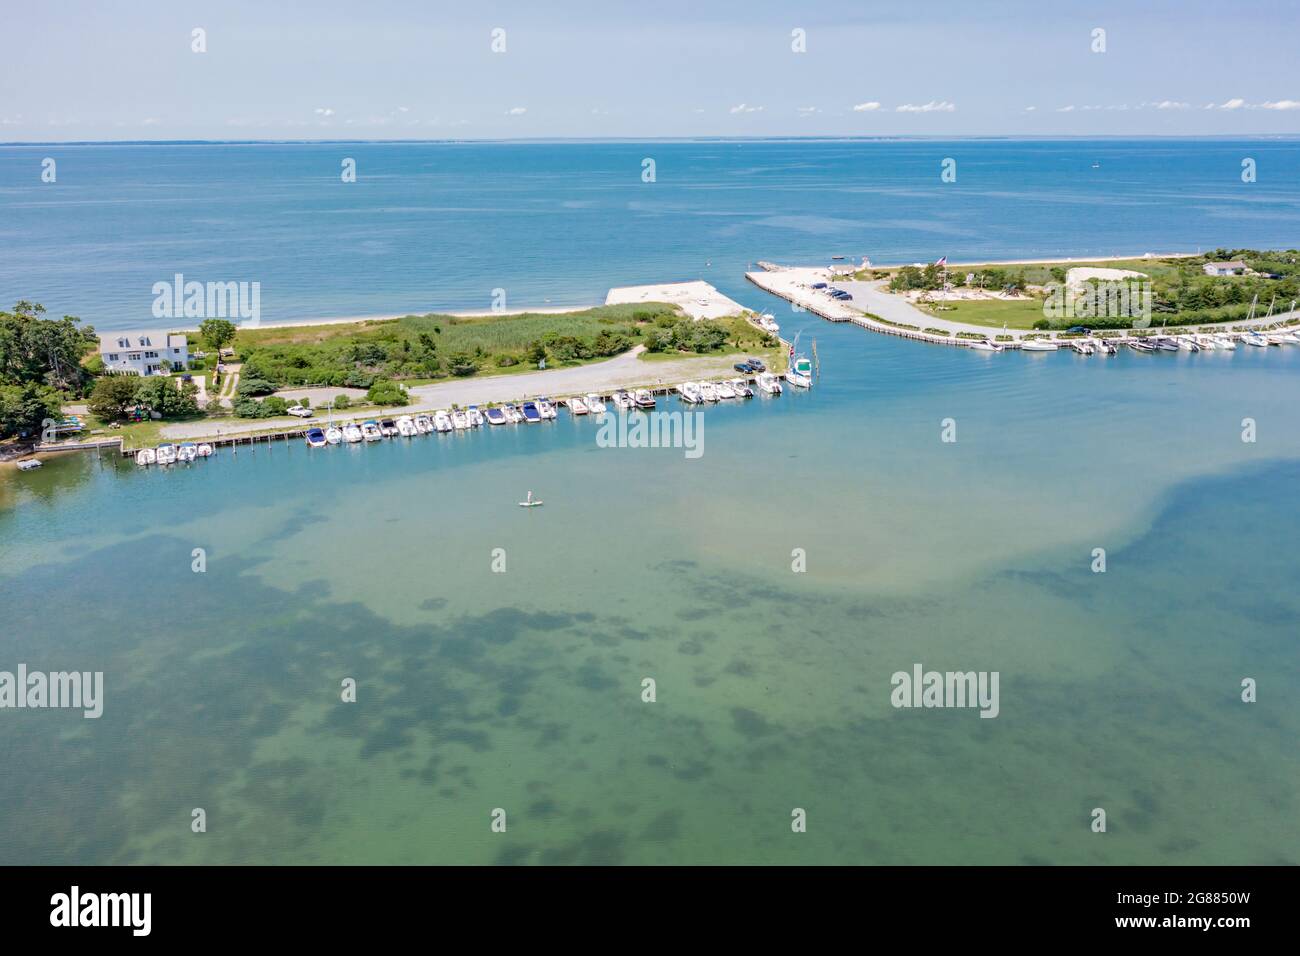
x: 1224, y: 268
x: 144, y: 353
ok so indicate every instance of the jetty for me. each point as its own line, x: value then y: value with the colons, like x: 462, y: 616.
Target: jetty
x: 795, y: 285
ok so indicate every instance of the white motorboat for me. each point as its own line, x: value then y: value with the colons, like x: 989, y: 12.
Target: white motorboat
x: 690, y: 393
x: 205, y: 450
x: 423, y: 424
x: 623, y: 401
x: 475, y: 416
x: 985, y: 345
x: 1082, y: 346
x: 459, y: 420
x: 742, y: 388
x: 146, y: 456
x: 1038, y: 345
x: 166, y: 454
x: 29, y: 464
x: 768, y: 322
x: 1254, y: 338
x: 1140, y: 345
x: 1187, y: 343
x: 513, y: 415
x: 352, y: 433
x: 333, y: 435
x: 1225, y: 342
x: 315, y: 438
x: 442, y: 422
x: 644, y: 398
x: 1206, y: 342
x: 1165, y: 343
x: 725, y: 391
x: 370, y: 431
x: 1104, y: 347
x: 188, y: 451
x: 495, y: 415
x: 595, y: 405
x: 577, y: 406
x: 800, y: 371
x: 708, y: 392
x: 1284, y: 338
x: 406, y: 427
x: 546, y: 409
x: 769, y: 383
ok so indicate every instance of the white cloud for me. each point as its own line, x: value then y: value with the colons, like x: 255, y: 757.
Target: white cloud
x: 1030, y: 109
x: 866, y: 107
x: 1279, y: 105
x: 323, y: 111
x: 745, y: 108
x: 517, y: 111
x: 1065, y: 109
x: 150, y: 121
x: 1234, y: 104
x: 934, y: 106
x: 808, y: 110
x: 1171, y: 105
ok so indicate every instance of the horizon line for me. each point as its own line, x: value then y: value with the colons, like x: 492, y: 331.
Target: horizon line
x: 457, y: 140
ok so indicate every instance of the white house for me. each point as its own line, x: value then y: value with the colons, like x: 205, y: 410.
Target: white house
x: 1224, y: 268
x: 144, y: 353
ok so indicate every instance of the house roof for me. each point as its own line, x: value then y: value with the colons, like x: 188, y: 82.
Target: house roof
x: 1227, y: 265
x: 157, y: 339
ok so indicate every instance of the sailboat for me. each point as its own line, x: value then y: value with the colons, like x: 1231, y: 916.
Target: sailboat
x: 800, y: 371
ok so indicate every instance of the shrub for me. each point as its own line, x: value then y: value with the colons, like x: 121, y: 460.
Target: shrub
x: 387, y: 393
x: 251, y: 387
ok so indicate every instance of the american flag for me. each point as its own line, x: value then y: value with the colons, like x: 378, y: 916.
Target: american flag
x: 942, y: 262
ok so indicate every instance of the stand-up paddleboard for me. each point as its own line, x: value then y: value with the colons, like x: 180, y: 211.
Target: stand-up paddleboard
x: 530, y: 503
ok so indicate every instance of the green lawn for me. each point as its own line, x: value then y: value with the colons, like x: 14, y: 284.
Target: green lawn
x: 993, y: 313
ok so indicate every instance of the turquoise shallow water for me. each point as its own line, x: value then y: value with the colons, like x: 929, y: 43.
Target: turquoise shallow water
x: 521, y: 690
x: 439, y: 226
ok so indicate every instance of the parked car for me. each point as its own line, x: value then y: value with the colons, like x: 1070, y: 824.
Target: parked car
x: 818, y: 285
x: 299, y: 410
x: 744, y: 368
x: 756, y: 364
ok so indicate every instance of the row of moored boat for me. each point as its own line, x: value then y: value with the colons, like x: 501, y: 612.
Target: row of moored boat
x: 1151, y: 343
x: 169, y: 454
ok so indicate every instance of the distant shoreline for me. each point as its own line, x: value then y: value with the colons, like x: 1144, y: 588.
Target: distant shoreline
x: 684, y: 138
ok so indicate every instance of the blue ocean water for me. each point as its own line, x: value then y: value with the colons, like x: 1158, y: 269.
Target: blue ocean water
x: 439, y: 226
x: 522, y: 689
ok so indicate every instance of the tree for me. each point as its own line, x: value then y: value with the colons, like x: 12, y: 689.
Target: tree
x: 218, y: 333
x: 49, y: 351
x: 113, y: 396
x: 537, y: 352
x: 24, y: 408
x: 160, y: 394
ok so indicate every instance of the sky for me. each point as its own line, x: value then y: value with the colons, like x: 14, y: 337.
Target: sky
x: 400, y: 69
